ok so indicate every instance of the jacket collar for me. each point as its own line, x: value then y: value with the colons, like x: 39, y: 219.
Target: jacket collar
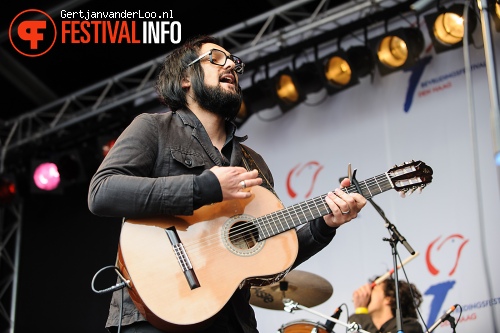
x: 189, y: 118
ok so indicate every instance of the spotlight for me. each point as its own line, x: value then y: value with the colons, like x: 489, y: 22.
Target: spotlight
x: 243, y: 115
x: 447, y: 27
x: 52, y: 174
x: 494, y: 9
x: 310, y: 77
x: 46, y: 176
x: 342, y: 69
x: 361, y: 59
x: 338, y: 71
x: 287, y: 90
x: 398, y: 50
x: 8, y: 190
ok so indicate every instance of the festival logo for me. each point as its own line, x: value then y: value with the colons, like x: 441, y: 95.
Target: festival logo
x: 442, y: 259
x: 32, y: 37
x: 33, y: 32
x: 302, y: 174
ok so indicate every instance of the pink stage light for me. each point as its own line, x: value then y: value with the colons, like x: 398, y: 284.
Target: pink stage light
x: 46, y: 176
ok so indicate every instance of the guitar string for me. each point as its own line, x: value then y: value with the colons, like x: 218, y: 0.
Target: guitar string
x: 205, y: 243
x: 300, y: 218
x: 300, y: 210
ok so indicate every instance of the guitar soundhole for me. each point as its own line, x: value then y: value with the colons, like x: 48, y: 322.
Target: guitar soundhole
x: 241, y: 236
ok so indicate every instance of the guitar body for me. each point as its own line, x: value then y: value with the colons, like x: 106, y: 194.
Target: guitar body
x: 184, y: 269
x: 221, y: 263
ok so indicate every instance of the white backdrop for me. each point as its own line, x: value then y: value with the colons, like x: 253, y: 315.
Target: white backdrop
x: 453, y: 223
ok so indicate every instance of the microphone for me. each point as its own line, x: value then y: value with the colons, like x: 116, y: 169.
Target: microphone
x: 443, y: 318
x: 329, y: 324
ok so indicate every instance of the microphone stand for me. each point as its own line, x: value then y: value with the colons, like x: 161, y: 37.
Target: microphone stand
x: 393, y: 241
x: 453, y: 324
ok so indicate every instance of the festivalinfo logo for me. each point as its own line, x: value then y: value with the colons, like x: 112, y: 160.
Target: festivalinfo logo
x: 33, y: 32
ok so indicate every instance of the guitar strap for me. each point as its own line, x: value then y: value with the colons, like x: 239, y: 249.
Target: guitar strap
x: 250, y: 165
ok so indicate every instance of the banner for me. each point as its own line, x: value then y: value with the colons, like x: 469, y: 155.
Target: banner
x: 421, y: 114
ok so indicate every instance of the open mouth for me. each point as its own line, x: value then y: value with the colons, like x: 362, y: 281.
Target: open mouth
x: 227, y: 78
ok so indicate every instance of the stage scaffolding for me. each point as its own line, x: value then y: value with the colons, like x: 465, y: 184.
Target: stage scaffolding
x: 257, y: 40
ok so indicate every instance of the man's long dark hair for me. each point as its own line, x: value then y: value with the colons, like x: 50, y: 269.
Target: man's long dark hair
x: 174, y: 70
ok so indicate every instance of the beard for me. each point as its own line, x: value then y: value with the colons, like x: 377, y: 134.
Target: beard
x: 219, y: 101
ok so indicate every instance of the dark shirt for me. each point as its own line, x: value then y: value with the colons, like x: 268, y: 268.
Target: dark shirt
x: 160, y: 166
x: 410, y: 325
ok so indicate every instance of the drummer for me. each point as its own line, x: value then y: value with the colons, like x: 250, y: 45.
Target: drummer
x: 375, y: 307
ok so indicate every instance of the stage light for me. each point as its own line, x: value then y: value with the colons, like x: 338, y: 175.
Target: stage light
x: 290, y: 87
x: 54, y: 173
x: 46, y: 176
x: 106, y: 146
x: 103, y: 145
x: 342, y: 69
x: 494, y: 9
x: 243, y: 115
x: 288, y: 90
x: 338, y: 70
x: 309, y: 77
x: 398, y: 50
x: 447, y: 27
x: 8, y: 190
x: 361, y: 59
x: 283, y: 90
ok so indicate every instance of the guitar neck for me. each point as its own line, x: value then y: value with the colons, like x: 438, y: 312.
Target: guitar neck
x: 301, y: 213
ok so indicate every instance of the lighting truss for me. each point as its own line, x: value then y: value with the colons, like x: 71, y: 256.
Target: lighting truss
x: 104, y: 98
x: 10, y: 240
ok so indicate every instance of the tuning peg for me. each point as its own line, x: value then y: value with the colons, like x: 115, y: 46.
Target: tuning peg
x: 420, y: 189
x: 402, y: 194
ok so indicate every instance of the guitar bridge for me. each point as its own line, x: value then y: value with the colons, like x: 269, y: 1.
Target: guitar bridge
x: 182, y: 258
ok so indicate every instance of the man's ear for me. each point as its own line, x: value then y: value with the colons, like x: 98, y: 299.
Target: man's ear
x: 186, y: 83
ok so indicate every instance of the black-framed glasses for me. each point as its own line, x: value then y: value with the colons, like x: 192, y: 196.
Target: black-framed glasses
x: 219, y: 58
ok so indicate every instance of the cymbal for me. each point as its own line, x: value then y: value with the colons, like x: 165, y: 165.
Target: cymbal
x: 305, y: 288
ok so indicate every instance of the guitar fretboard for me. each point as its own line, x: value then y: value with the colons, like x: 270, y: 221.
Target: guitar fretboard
x: 285, y: 219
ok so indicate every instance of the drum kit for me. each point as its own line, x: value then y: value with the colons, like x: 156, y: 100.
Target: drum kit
x: 301, y: 290
x: 303, y: 287
x: 297, y: 287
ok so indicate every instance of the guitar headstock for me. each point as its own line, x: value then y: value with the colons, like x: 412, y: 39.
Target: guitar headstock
x: 410, y: 176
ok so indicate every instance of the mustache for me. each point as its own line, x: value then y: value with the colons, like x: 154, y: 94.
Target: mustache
x: 230, y: 72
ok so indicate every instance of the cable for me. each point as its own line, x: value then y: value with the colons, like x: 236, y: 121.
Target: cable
x: 117, y: 286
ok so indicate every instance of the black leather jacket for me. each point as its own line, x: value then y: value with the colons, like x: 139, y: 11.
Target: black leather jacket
x: 159, y: 166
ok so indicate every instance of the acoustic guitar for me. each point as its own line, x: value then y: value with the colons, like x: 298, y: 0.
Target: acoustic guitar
x: 184, y: 269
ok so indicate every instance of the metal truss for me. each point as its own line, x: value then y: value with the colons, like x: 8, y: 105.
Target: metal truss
x: 258, y: 39
x: 10, y: 242
x: 255, y: 39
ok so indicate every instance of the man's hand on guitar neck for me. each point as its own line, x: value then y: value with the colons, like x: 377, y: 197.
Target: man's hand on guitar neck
x: 234, y: 180
x: 344, y: 207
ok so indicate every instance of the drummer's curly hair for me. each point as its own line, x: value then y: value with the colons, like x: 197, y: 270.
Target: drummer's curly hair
x: 410, y: 297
